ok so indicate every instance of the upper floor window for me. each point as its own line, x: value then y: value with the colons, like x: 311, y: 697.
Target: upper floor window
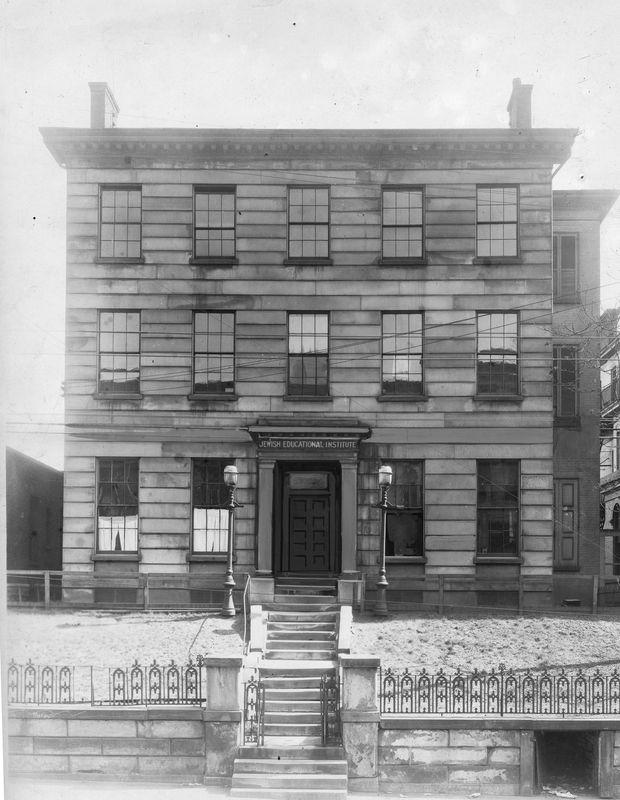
x: 401, y: 359
x: 308, y: 354
x: 214, y: 222
x: 405, y: 517
x: 498, y: 507
x: 402, y: 220
x: 497, y: 368
x: 209, y: 498
x: 117, y: 504
x: 565, y: 380
x: 120, y: 222
x: 214, y: 352
x: 308, y: 222
x: 496, y: 221
x: 564, y: 267
x: 119, y: 352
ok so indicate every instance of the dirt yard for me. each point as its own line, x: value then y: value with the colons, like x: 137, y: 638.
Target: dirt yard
x: 430, y: 642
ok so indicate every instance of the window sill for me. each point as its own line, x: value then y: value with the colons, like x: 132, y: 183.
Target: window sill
x: 405, y: 559
x: 220, y: 558
x: 490, y: 559
x: 119, y: 396
x: 491, y: 260
x: 113, y: 555
x: 567, y: 422
x: 119, y: 261
x: 300, y: 262
x: 499, y: 398
x: 402, y: 398
x: 224, y: 261
x: 198, y: 396
x: 403, y: 262
x: 307, y: 398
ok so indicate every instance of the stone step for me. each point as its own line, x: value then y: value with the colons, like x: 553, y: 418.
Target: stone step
x: 292, y: 729
x: 293, y: 669
x: 288, y: 605
x: 311, y: 600
x: 291, y: 706
x: 292, y: 747
x: 293, y: 717
x: 300, y: 644
x: 274, y: 693
x: 298, y: 765
x: 296, y: 793
x: 289, y: 780
x: 293, y: 615
x: 299, y: 655
x: 292, y: 590
x: 303, y: 626
x: 302, y: 634
x: 305, y: 580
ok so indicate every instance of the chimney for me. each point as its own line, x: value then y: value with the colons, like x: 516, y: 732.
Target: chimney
x: 520, y: 105
x: 103, y: 107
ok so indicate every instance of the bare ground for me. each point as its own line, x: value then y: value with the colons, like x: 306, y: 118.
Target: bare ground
x: 423, y: 641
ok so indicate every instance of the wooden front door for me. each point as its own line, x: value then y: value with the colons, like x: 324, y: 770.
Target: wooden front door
x: 308, y: 521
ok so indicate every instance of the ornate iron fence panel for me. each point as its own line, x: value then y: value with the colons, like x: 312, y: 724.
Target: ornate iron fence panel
x: 500, y: 692
x: 156, y: 684
x: 330, y: 709
x: 39, y: 684
x: 254, y: 712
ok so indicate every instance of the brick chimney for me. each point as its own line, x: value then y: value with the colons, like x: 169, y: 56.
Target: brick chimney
x: 520, y: 105
x: 103, y: 107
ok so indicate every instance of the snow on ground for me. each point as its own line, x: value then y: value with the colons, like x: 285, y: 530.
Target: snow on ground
x: 479, y: 642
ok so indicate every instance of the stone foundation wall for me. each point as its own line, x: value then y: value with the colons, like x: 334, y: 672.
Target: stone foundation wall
x: 615, y: 780
x: 417, y: 761
x: 162, y: 744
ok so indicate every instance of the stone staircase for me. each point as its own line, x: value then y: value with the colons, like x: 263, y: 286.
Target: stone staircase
x: 301, y: 647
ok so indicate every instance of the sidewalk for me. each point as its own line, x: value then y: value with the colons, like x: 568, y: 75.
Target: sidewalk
x: 32, y: 789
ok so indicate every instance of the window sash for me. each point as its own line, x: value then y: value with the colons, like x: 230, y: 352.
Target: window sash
x: 564, y: 266
x: 209, y: 498
x: 497, y: 362
x: 402, y: 354
x: 214, y: 352
x: 308, y: 222
x: 308, y: 354
x: 402, y: 218
x: 119, y: 352
x: 497, y: 213
x: 117, y: 505
x: 214, y: 222
x: 120, y: 222
x: 498, y: 504
x: 405, y: 517
x: 565, y: 380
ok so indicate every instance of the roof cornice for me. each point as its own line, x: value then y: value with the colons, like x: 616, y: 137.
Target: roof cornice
x: 594, y: 202
x: 73, y: 147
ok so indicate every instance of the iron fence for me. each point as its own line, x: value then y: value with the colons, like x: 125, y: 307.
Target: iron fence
x: 499, y: 692
x: 254, y: 712
x: 330, y: 709
x: 153, y: 684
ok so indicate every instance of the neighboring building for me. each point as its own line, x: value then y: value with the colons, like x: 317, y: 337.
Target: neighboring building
x: 33, y: 513
x: 310, y: 305
x: 577, y: 216
x: 610, y: 440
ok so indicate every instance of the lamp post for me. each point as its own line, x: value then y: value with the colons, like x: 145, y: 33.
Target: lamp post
x: 230, y: 479
x: 385, y: 479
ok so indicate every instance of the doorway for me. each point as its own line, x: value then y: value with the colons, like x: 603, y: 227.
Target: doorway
x: 307, y: 505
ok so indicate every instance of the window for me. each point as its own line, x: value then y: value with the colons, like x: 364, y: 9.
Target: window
x: 564, y: 267
x: 566, y: 523
x: 497, y: 359
x: 401, y: 359
x: 405, y: 520
x: 308, y: 354
x: 496, y: 221
x: 565, y: 380
x: 402, y: 220
x: 119, y: 352
x: 498, y: 508
x: 117, y: 505
x: 120, y: 222
x: 214, y: 222
x: 214, y: 352
x: 308, y: 222
x: 614, y: 376
x: 209, y: 498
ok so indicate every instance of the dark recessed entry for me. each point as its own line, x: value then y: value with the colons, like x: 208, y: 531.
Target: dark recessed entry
x: 568, y: 760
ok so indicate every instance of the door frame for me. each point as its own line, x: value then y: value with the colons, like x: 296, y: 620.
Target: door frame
x: 280, y: 514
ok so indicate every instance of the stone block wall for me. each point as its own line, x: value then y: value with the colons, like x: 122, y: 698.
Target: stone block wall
x: 140, y: 744
x: 616, y: 766
x: 449, y: 760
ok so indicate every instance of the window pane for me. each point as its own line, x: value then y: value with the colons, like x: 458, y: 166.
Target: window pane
x: 308, y: 218
x: 214, y: 352
x: 496, y: 221
x: 214, y: 224
x: 209, y: 498
x: 117, y: 239
x: 117, y: 504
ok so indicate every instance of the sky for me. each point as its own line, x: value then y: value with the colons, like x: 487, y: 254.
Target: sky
x: 270, y: 64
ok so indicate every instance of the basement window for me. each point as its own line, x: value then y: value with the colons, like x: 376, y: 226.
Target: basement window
x: 567, y: 760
